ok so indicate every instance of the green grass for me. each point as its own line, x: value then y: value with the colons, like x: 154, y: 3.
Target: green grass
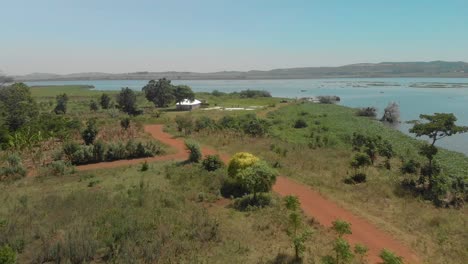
x: 70, y: 90
x: 438, y: 235
x: 167, y: 214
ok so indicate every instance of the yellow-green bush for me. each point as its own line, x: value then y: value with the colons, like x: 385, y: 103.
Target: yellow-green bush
x: 240, y: 161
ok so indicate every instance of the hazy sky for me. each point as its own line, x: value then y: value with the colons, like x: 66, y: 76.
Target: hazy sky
x: 65, y: 36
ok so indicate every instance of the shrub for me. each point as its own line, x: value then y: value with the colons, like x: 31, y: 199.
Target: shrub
x: 341, y: 227
x: 93, y: 106
x: 105, y: 101
x: 391, y: 113
x: 7, y: 255
x: 125, y: 123
x: 300, y: 123
x: 204, y: 122
x: 90, y: 133
x: 184, y: 123
x: 410, y: 167
x: 126, y: 101
x: 116, y: 151
x: 144, y: 166
x: 389, y: 257
x: 61, y: 107
x: 254, y: 94
x: 58, y: 167
x: 228, y: 122
x: 194, y: 151
x: 212, y: 163
x: 14, y: 168
x: 360, y: 160
x: 367, y: 111
x: 251, y: 202
x: 99, y: 151
x: 259, y: 177
x: 327, y: 99
x: 239, y: 162
x: 359, y: 177
x: 255, y: 127
x: 231, y: 188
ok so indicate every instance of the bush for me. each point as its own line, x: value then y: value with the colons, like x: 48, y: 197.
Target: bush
x: 90, y: 133
x: 212, y: 163
x: 58, y: 167
x: 251, y: 202
x: 356, y: 178
x: 391, y: 113
x: 184, y: 123
x: 14, y: 168
x: 254, y: 94
x: 231, y: 188
x: 204, y: 122
x: 105, y: 101
x: 93, y: 106
x: 327, y: 99
x: 144, y: 166
x: 300, y: 123
x: 367, y: 111
x: 61, y: 107
x: 228, y: 122
x: 410, y: 167
x: 99, y: 151
x: 255, y: 127
x: 389, y: 257
x: 194, y: 151
x: 125, y: 123
x: 7, y: 255
x: 259, y: 177
x: 116, y: 151
x: 360, y: 160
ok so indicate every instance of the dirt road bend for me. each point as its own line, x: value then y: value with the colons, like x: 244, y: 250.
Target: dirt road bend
x: 313, y: 203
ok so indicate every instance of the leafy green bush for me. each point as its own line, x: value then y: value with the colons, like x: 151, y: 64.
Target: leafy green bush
x: 7, y: 255
x: 90, y: 133
x: 410, y: 167
x: 195, y: 154
x: 212, y: 163
x: 228, y: 122
x: 204, y: 122
x: 13, y: 168
x: 257, y: 178
x: 99, y: 151
x: 389, y: 257
x: 116, y: 151
x: 125, y: 123
x: 184, y: 123
x: 144, y: 166
x: 58, y: 167
x: 356, y: 178
x: 251, y: 202
x: 300, y: 123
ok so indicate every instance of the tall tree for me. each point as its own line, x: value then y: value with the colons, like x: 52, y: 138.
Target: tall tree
x: 161, y: 93
x: 182, y: 92
x: 437, y: 126
x: 17, y: 107
x: 126, y: 101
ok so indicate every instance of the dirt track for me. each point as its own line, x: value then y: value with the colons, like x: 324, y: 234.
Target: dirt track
x: 314, y: 204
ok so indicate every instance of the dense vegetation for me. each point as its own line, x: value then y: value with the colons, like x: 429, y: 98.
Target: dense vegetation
x: 207, y: 211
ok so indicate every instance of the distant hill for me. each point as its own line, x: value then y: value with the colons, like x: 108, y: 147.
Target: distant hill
x: 361, y: 70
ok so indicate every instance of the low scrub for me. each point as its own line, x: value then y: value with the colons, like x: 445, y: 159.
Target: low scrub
x: 251, y: 202
x: 85, y: 154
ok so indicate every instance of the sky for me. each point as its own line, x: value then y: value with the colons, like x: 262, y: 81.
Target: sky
x: 69, y: 36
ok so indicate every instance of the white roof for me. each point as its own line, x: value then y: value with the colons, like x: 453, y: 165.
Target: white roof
x: 188, y: 102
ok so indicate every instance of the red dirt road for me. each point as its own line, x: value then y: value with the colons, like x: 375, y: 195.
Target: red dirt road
x: 313, y: 203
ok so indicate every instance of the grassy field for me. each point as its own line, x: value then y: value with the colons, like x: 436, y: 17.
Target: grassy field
x: 439, y: 235
x: 173, y: 213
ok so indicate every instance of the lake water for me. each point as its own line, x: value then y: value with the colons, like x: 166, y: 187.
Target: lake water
x: 353, y: 92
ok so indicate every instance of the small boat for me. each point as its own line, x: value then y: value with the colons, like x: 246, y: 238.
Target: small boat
x: 303, y: 90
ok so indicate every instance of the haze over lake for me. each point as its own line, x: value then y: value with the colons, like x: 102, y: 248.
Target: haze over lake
x: 411, y: 94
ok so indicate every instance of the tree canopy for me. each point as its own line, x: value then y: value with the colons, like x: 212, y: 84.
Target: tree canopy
x: 17, y: 107
x: 126, y: 101
x: 182, y: 92
x: 437, y: 126
x: 161, y: 93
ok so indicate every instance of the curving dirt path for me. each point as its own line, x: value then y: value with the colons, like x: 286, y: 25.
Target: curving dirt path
x: 313, y: 203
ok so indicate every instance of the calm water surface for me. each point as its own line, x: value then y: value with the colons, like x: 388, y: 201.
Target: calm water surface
x: 353, y: 93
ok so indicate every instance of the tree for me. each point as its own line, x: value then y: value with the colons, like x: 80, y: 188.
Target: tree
x: 126, y: 101
x: 17, y: 106
x: 437, y: 126
x: 105, y: 101
x: 161, y: 93
x: 90, y: 132
x: 182, y: 92
x: 239, y: 162
x: 61, y: 107
x: 341, y: 247
x: 259, y: 177
x: 194, y: 151
x: 297, y: 231
x: 93, y: 106
x: 391, y: 113
x: 212, y: 163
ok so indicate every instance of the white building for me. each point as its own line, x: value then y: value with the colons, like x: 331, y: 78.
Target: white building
x: 188, y: 105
